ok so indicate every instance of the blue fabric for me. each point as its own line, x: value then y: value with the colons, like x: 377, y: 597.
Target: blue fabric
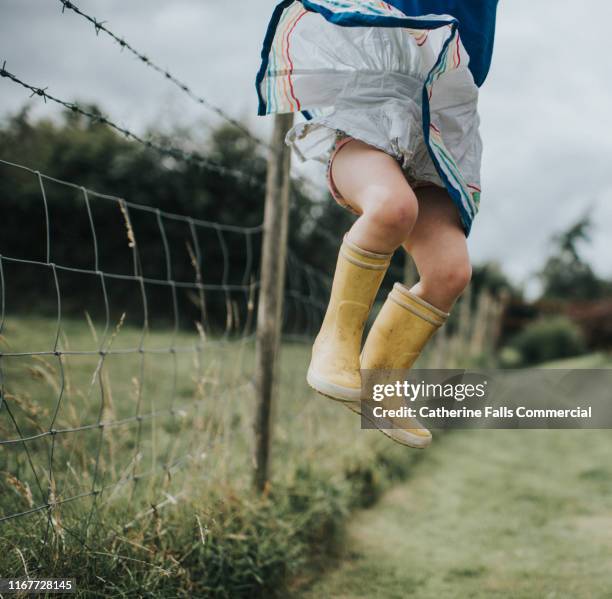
x: 354, y: 19
x: 476, y: 26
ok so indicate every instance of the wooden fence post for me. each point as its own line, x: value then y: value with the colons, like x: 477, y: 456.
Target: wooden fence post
x: 269, y: 311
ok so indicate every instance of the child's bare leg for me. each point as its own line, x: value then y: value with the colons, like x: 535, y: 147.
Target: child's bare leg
x: 374, y: 185
x: 438, y: 246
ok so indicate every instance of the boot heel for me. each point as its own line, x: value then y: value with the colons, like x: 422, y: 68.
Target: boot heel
x: 332, y: 390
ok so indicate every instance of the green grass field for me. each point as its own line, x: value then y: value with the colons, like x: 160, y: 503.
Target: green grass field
x: 512, y: 514
x: 484, y: 513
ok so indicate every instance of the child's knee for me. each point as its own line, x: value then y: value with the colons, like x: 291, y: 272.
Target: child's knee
x: 393, y: 209
x: 447, y: 278
x: 454, y: 276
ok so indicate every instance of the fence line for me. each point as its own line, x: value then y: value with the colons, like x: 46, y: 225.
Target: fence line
x: 32, y: 438
x: 104, y: 349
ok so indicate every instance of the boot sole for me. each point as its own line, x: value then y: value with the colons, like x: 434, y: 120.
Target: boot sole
x: 331, y: 390
x: 351, y: 399
x: 419, y: 442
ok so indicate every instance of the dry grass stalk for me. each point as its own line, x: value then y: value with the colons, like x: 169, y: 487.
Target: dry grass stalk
x: 128, y: 224
x: 21, y: 488
x: 45, y: 372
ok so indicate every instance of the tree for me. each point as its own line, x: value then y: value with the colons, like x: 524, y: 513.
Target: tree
x: 566, y: 275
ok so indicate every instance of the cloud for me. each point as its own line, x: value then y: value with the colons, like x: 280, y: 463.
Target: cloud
x: 546, y: 126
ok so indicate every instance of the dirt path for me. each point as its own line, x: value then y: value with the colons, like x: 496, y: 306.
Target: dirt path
x: 521, y: 514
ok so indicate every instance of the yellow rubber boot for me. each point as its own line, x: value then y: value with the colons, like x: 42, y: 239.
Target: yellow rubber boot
x: 334, y: 368
x: 400, y: 332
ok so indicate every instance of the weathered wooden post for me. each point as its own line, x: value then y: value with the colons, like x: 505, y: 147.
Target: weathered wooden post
x: 269, y: 312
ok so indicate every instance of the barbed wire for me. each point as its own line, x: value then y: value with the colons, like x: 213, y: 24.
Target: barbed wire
x: 172, y: 151
x: 100, y: 26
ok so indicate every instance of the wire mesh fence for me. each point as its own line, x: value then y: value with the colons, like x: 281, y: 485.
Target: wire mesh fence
x: 122, y: 361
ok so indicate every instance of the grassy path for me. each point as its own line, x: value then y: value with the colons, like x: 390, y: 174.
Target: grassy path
x: 521, y: 514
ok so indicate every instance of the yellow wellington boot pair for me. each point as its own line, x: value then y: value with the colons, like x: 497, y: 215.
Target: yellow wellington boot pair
x: 334, y: 368
x: 398, y: 335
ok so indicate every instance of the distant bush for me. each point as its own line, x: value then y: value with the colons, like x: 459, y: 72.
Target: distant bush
x: 549, y: 338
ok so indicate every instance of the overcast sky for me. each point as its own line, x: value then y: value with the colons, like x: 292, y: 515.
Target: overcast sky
x: 545, y: 108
